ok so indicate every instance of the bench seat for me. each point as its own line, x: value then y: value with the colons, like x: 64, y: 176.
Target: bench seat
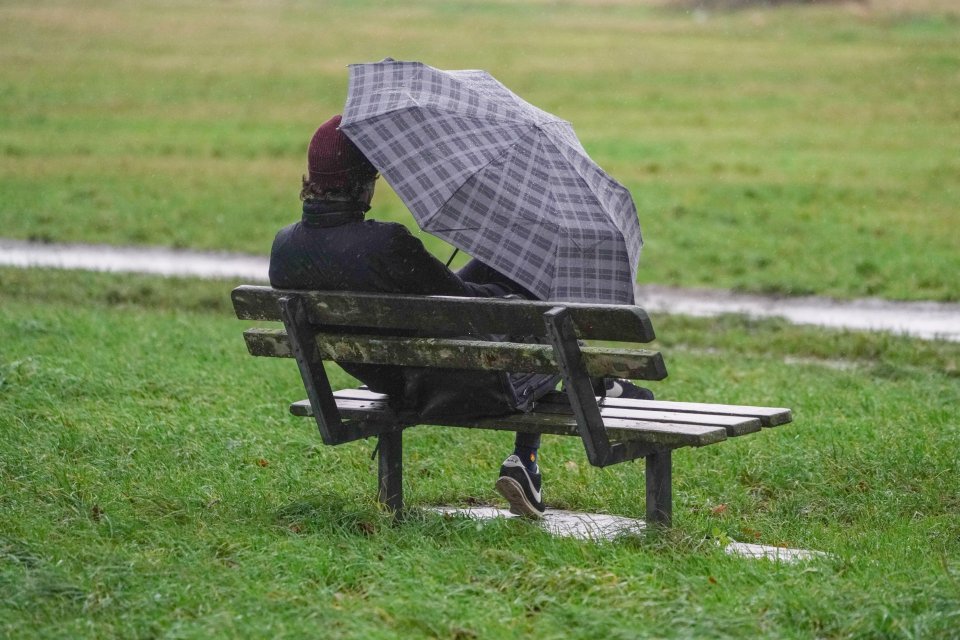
x: 655, y: 422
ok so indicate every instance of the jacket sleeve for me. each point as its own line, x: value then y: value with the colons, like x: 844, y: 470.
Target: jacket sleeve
x: 412, y: 269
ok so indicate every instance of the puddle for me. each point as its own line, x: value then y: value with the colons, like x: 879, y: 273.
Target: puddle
x: 767, y: 552
x: 836, y: 365
x: 567, y: 524
x: 602, y: 526
x: 150, y: 260
x: 926, y: 320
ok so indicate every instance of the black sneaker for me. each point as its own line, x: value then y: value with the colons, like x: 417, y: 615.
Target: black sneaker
x: 620, y: 388
x: 521, y: 488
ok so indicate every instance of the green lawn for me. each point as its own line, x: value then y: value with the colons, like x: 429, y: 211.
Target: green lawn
x: 796, y: 150
x: 152, y: 483
x: 155, y: 486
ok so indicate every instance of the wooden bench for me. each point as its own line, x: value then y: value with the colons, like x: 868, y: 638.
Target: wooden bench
x: 429, y: 331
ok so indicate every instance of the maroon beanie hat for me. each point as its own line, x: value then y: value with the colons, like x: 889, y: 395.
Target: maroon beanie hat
x: 333, y: 161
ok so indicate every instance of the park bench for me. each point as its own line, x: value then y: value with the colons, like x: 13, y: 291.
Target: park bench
x: 447, y: 332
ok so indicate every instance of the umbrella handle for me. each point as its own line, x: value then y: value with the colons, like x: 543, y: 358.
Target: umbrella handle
x: 455, y: 251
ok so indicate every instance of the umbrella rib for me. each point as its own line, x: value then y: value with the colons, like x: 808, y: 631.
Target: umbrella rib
x: 584, y: 181
x: 546, y: 141
x: 500, y: 155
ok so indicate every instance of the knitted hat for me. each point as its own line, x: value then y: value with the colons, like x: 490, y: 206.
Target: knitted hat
x: 333, y: 161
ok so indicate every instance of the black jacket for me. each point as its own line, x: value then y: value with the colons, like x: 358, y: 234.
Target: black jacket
x: 366, y: 255
x: 339, y: 251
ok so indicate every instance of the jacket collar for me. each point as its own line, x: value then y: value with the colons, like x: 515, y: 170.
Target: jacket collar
x: 330, y: 213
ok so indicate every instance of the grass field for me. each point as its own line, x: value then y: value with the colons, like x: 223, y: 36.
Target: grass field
x: 797, y: 150
x: 152, y: 484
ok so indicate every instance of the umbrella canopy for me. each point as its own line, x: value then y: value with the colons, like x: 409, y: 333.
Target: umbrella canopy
x: 497, y: 177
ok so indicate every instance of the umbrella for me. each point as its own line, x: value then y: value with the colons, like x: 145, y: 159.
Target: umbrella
x: 496, y: 177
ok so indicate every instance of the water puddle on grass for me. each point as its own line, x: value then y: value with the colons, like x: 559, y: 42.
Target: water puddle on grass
x: 602, y: 526
x: 148, y: 260
x: 569, y: 524
x: 926, y: 320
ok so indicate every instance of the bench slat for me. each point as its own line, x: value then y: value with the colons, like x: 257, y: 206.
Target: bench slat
x: 768, y: 416
x: 654, y: 433
x: 734, y: 425
x: 463, y: 354
x: 446, y: 315
x: 557, y: 403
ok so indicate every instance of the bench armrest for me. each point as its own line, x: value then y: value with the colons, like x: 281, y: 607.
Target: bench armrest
x: 600, y: 451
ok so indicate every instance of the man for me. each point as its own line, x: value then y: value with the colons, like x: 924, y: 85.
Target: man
x: 333, y: 247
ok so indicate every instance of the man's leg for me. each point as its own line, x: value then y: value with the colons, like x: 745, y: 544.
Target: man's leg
x: 520, y: 478
x: 525, y: 447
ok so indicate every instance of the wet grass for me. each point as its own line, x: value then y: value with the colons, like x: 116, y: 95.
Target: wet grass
x: 154, y: 485
x: 802, y: 149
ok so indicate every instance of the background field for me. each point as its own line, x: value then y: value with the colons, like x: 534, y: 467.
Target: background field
x: 797, y: 150
x: 152, y: 484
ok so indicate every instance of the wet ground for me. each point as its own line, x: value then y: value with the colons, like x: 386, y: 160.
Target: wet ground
x: 602, y: 526
x: 927, y: 320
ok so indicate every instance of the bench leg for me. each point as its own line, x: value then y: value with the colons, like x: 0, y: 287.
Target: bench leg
x: 659, y: 496
x: 390, y: 468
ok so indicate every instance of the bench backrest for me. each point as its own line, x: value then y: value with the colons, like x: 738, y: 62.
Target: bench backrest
x: 448, y: 332
x: 452, y: 332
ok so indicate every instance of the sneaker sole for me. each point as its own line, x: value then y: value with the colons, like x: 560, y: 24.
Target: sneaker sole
x: 513, y: 492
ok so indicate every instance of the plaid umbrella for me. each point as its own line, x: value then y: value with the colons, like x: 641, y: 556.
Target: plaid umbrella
x: 496, y: 177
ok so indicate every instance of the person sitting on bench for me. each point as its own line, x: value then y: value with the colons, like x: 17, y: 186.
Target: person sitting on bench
x: 333, y: 247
